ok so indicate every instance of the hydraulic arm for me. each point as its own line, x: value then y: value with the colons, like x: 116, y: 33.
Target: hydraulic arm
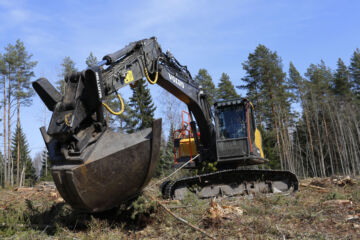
x: 145, y: 59
x: 95, y: 168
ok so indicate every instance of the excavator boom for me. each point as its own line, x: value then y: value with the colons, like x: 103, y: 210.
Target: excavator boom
x: 95, y: 168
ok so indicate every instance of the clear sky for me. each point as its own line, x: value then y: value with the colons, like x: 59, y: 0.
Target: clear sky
x: 216, y: 35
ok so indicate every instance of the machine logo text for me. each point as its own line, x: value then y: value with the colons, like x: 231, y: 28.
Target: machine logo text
x: 176, y: 81
x: 98, y: 84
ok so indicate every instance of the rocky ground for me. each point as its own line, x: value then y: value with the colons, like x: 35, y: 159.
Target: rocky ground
x: 327, y: 208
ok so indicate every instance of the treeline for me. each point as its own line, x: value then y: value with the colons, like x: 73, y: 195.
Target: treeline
x: 16, y: 70
x: 309, y: 123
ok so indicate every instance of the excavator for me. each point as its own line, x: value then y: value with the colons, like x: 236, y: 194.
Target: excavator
x: 96, y: 168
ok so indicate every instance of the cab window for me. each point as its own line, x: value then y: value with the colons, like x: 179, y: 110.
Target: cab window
x: 232, y: 122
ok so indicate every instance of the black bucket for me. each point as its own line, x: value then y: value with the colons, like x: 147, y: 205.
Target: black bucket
x: 117, y: 169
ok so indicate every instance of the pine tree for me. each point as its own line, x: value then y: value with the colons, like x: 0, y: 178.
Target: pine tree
x: 341, y: 85
x: 67, y: 67
x: 25, y: 159
x: 303, y: 125
x: 355, y: 72
x: 226, y: 89
x: 318, y: 84
x: 24, y: 91
x: 3, y: 83
x: 10, y: 59
x: 142, y: 114
x: 205, y: 80
x: 319, y: 78
x: 91, y: 60
x: 295, y: 82
x: 167, y: 155
x: 266, y: 86
x: 2, y: 176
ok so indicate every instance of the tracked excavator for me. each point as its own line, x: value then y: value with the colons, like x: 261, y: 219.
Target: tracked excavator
x: 95, y: 168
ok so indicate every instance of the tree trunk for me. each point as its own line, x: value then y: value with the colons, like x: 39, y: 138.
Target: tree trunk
x: 18, y: 134
x: 337, y: 142
x: 310, y: 135
x: 329, y: 148
x: 277, y: 130
x: 10, y: 173
x: 22, y: 177
x: 321, y: 161
x: 4, y: 130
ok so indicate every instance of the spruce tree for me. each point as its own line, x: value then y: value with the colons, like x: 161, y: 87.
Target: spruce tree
x: 226, y: 89
x: 25, y: 159
x: 205, y: 80
x: 67, y: 67
x: 341, y: 84
x: 91, y: 60
x: 123, y: 122
x: 355, y: 72
x: 166, y: 161
x: 142, y: 114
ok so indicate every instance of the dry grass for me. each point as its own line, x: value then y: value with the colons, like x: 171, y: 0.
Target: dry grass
x: 311, y: 213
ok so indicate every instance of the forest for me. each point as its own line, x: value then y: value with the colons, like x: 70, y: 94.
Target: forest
x: 309, y: 122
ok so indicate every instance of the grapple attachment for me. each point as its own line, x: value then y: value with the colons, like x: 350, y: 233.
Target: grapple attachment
x: 94, y: 168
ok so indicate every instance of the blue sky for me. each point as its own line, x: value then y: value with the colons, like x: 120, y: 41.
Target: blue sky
x: 216, y: 35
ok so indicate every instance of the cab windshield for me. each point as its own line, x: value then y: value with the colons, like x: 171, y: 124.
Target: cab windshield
x: 232, y: 122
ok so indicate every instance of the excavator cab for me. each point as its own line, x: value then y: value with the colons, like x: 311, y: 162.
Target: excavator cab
x: 238, y: 141
x: 237, y: 138
x: 96, y: 168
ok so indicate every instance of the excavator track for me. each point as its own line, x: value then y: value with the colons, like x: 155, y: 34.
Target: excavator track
x: 233, y: 182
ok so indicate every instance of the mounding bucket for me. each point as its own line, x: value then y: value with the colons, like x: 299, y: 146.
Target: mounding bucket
x: 117, y: 169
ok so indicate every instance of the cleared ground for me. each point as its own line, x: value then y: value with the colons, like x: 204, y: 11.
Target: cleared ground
x: 322, y: 209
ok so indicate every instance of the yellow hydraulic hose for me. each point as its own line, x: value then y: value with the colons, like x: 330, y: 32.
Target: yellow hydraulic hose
x: 148, y: 77
x: 122, y: 106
